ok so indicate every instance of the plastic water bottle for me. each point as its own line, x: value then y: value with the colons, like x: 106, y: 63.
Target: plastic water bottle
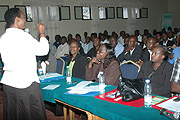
x: 68, y: 75
x: 147, y: 93
x: 39, y: 67
x: 101, y: 82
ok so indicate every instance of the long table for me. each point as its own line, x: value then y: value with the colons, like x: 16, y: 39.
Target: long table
x: 95, y: 107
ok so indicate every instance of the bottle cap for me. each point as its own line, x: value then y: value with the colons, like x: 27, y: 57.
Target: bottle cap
x: 147, y: 80
x: 101, y: 72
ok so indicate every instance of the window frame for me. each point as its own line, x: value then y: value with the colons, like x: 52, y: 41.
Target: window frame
x: 60, y: 14
x: 4, y: 6
x: 145, y: 11
x: 113, y: 13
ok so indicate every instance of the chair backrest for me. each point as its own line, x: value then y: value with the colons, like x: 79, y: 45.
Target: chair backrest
x: 60, y: 66
x: 129, y: 69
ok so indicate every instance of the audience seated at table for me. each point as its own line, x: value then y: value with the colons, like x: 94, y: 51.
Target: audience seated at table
x: 93, y: 51
x: 104, y: 39
x: 132, y: 51
x: 77, y: 62
x: 165, y: 41
x: 78, y: 38
x: 105, y: 61
x: 63, y: 48
x: 175, y: 78
x: 126, y: 41
x: 158, y: 37
x: 146, y: 52
x: 117, y: 46
x: 158, y: 71
x: 57, y: 41
x: 87, y: 45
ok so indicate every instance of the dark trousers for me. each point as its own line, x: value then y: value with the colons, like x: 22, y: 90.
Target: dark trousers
x: 23, y: 104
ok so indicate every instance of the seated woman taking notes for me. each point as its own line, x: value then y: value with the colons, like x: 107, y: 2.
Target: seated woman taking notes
x: 105, y: 61
x: 158, y: 71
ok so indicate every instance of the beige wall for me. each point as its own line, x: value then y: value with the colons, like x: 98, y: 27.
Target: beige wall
x: 173, y: 6
x: 155, y: 9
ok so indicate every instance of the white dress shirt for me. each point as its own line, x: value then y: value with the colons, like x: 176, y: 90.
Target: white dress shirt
x: 118, y: 49
x: 18, y: 50
x: 87, y: 47
x: 105, y: 41
x: 62, y: 49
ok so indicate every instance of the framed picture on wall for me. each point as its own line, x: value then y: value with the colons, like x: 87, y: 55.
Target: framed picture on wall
x: 119, y: 11
x: 3, y: 9
x: 64, y: 13
x: 144, y: 13
x: 78, y: 12
x: 110, y: 13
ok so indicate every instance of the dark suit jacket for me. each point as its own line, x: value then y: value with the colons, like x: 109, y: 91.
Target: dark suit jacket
x: 145, y: 56
x: 79, y: 68
x: 136, y: 55
x: 92, y: 52
x: 160, y: 80
x: 169, y: 43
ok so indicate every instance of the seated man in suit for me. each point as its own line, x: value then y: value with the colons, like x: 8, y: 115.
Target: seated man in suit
x: 131, y: 52
x: 146, y: 52
x: 165, y: 41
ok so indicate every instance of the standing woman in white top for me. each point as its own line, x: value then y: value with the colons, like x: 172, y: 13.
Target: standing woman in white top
x: 22, y: 98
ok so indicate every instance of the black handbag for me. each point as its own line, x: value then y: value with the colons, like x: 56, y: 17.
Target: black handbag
x: 130, y: 89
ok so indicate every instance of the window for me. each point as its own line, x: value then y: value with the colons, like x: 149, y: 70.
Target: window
x: 119, y: 11
x: 137, y: 12
x: 144, y: 13
x: 102, y: 13
x: 64, y: 13
x: 83, y: 13
x: 53, y: 15
x: 110, y: 13
x: 27, y: 12
x: 125, y: 13
x: 86, y: 13
x: 3, y: 9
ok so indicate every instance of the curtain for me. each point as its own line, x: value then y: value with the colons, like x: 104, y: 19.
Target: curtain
x: 46, y: 12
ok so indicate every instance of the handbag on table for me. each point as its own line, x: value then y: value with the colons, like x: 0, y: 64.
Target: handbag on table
x: 131, y: 89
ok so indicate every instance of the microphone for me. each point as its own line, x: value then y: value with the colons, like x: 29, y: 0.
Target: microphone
x: 165, y: 113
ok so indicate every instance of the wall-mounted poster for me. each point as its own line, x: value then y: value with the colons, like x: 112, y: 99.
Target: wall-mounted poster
x: 166, y: 20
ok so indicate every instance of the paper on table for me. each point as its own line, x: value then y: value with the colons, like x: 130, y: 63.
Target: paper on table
x: 51, y: 87
x: 171, y: 105
x: 80, y: 85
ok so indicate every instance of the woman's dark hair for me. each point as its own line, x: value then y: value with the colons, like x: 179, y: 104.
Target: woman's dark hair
x: 164, y: 50
x: 76, y: 41
x: 10, y: 16
x: 110, y: 55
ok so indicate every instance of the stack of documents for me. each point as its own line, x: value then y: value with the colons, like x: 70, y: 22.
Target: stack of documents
x: 82, y: 88
x: 50, y: 76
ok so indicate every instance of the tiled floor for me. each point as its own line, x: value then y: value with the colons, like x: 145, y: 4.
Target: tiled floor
x: 50, y: 115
